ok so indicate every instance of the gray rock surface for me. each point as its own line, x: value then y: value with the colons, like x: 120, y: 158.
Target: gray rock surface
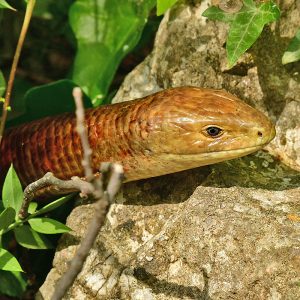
x: 228, y: 231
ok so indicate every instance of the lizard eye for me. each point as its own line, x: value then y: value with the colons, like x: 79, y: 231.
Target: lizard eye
x: 214, y: 131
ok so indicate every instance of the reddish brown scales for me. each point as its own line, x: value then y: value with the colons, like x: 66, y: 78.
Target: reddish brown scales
x: 159, y: 134
x: 52, y: 144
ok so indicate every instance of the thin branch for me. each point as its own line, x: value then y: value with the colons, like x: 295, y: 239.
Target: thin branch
x: 27, y: 18
x: 101, y: 209
x: 82, y: 131
x: 51, y: 185
x: 112, y: 174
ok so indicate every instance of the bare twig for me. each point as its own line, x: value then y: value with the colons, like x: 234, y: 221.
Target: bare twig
x: 101, y: 209
x: 115, y: 180
x: 28, y: 14
x: 82, y: 131
x: 49, y: 184
x: 113, y: 175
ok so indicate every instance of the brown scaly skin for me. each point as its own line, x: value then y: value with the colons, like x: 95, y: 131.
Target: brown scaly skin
x: 159, y: 134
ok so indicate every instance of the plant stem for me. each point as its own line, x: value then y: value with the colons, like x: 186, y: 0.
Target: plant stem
x: 14, y: 225
x: 27, y: 18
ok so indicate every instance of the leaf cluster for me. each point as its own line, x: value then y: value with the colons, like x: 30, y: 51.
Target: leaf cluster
x: 101, y: 34
x: 29, y: 233
x: 246, y: 26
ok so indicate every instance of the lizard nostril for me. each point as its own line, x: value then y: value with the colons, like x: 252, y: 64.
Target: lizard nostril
x: 259, y: 133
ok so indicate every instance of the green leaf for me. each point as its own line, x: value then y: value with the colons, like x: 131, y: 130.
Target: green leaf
x: 245, y: 25
x: 48, y: 100
x: 32, y: 207
x: 2, y: 84
x: 12, y: 284
x: 8, y: 262
x: 106, y: 30
x: 48, y: 226
x: 12, y: 193
x: 28, y: 238
x: 4, y: 4
x: 292, y: 53
x: 164, y: 5
x: 53, y: 205
x: 7, y: 217
x: 217, y: 14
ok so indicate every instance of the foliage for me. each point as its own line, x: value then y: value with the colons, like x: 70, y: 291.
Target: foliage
x: 2, y: 84
x: 29, y: 233
x: 114, y: 29
x: 292, y: 53
x: 4, y: 4
x: 12, y: 193
x: 12, y: 283
x: 246, y: 25
x: 57, y: 98
x: 164, y: 5
x: 106, y: 31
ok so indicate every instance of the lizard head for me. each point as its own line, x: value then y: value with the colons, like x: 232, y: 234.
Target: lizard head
x: 191, y: 127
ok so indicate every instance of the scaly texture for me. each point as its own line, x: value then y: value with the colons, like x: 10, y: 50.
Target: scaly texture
x: 159, y: 134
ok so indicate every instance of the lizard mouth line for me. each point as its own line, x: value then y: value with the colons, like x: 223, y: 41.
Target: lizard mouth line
x: 207, y: 158
x: 240, y: 150
x: 229, y: 151
x: 237, y: 151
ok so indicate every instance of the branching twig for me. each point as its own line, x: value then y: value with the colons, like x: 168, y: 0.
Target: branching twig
x: 28, y: 14
x: 113, y: 175
x: 49, y: 183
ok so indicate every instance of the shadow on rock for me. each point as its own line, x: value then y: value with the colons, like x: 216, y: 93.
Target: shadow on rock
x: 173, y: 289
x: 259, y: 170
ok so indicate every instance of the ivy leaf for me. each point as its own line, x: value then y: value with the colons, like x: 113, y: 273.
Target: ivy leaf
x: 4, y: 4
x: 8, y: 262
x: 164, y: 5
x: 245, y: 25
x: 12, y: 193
x: 106, y: 30
x: 48, y: 226
x: 28, y: 238
x: 292, y: 53
x: 12, y: 284
x: 7, y: 217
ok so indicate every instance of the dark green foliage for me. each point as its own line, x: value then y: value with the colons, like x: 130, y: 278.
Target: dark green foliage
x: 29, y: 233
x: 106, y: 31
x: 12, y: 283
x: 48, y: 100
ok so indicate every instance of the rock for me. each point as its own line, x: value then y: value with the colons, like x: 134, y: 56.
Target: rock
x: 240, y: 243
x: 227, y: 231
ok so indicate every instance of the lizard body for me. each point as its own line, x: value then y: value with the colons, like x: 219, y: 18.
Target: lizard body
x: 166, y: 132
